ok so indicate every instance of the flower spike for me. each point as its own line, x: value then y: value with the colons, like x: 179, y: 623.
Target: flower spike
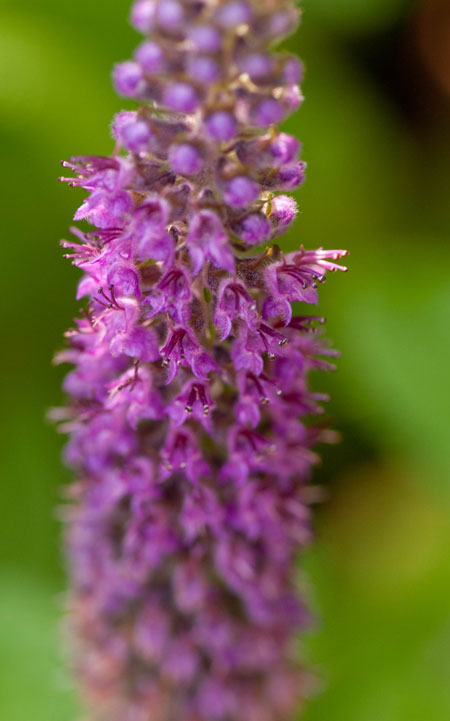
x: 189, y: 396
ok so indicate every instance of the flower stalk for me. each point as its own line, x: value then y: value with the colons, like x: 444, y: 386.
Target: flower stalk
x: 189, y: 406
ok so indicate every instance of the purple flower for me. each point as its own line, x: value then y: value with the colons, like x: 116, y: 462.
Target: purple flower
x: 194, y: 401
x: 181, y: 349
x: 268, y: 112
x: 255, y: 391
x: 205, y: 38
x: 254, y: 229
x: 188, y: 395
x: 233, y: 13
x: 282, y: 212
x: 142, y: 15
x: 109, y: 202
x: 254, y: 341
x: 181, y: 453
x: 151, y: 57
x: 241, y: 191
x: 204, y: 69
x: 284, y: 148
x: 233, y: 301
x: 207, y: 239
x: 258, y: 66
x: 185, y: 159
x: 221, y: 125
x: 171, y: 295
x: 135, y: 135
x: 291, y: 176
x: 292, y: 71
x: 133, y: 391
x: 128, y: 79
x: 181, y: 97
x: 169, y: 15
x: 148, y: 230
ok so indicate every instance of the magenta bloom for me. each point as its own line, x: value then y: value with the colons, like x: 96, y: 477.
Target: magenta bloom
x: 189, y: 410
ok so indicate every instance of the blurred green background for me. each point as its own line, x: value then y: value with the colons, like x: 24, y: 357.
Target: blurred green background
x: 376, y: 134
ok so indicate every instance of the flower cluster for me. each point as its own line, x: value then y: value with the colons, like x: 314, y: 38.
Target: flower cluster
x: 189, y: 400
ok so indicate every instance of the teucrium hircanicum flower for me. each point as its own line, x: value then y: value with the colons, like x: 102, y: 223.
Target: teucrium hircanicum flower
x: 189, y: 396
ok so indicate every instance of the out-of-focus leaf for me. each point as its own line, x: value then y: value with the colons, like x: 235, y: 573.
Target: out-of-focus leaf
x: 55, y: 91
x: 382, y: 584
x: 396, y: 346
x: 365, y: 192
x: 357, y: 15
x: 33, y: 683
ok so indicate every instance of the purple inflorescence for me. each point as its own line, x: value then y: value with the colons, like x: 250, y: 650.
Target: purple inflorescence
x: 189, y: 395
